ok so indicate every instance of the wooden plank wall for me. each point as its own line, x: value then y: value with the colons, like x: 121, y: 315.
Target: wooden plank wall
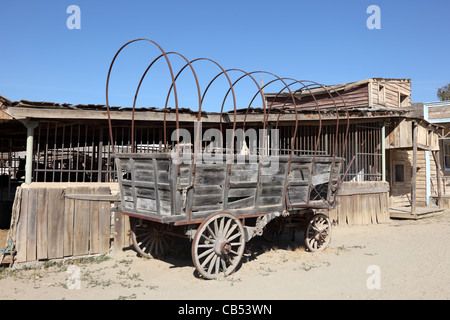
x: 400, y: 136
x: 362, y: 203
x: 51, y: 225
x: 401, y: 192
x: 392, y: 88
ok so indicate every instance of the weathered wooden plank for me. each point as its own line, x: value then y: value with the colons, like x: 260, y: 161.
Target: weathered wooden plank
x: 209, y: 208
x: 273, y: 179
x: 241, y: 192
x: 31, y: 224
x: 272, y: 190
x: 148, y: 193
x: 144, y: 165
x: 147, y: 175
x: 21, y: 231
x: 93, y: 224
x: 270, y: 201
x: 206, y: 200
x: 243, y: 176
x: 42, y: 224
x: 104, y: 223
x: 69, y: 207
x: 81, y: 224
x: 146, y: 204
x: 165, y: 207
x: 298, y: 194
x: 209, y: 190
x: 55, y: 223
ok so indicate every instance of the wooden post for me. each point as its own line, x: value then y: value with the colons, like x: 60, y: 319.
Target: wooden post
x: 30, y: 125
x: 414, y: 170
x: 383, y: 151
x: 438, y: 175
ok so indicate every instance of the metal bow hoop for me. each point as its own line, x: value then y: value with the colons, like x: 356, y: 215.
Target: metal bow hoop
x: 288, y: 106
x: 107, y: 85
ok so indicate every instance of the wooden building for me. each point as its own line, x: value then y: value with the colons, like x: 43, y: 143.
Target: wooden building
x: 66, y: 151
x: 390, y: 140
x: 438, y: 113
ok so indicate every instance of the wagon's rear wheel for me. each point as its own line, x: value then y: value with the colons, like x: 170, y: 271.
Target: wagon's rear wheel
x: 150, y: 239
x: 318, y: 233
x: 218, y: 245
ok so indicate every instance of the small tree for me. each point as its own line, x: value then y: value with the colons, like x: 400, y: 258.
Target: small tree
x: 444, y: 93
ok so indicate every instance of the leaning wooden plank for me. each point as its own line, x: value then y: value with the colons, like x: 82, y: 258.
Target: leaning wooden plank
x: 31, y: 224
x: 69, y: 207
x: 119, y: 230
x: 21, y: 229
x: 81, y: 224
x: 42, y: 224
x: 126, y: 233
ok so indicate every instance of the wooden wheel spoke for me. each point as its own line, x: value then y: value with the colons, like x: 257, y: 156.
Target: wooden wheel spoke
x: 234, y: 237
x: 205, y: 253
x: 235, y: 252
x: 231, y: 231
x: 212, y: 263
x: 207, y: 239
x: 208, y: 259
x: 224, y: 264
x: 226, y: 228
x: 217, y: 265
x: 221, y: 226
x: 206, y: 245
x: 211, y: 232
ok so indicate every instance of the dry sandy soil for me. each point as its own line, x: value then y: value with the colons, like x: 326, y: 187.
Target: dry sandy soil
x: 399, y: 260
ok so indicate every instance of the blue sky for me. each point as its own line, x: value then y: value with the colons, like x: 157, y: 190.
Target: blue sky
x: 327, y: 42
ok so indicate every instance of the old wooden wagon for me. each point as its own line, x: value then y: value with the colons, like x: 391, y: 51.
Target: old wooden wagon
x: 222, y: 204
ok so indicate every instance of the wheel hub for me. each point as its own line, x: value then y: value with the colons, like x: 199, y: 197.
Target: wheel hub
x: 222, y: 246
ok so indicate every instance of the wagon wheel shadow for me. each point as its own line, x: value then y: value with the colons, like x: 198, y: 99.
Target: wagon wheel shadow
x: 288, y: 240
x: 178, y: 255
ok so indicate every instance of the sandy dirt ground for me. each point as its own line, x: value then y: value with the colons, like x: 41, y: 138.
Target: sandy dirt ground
x: 403, y: 259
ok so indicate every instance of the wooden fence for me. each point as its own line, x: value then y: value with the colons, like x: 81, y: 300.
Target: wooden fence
x: 362, y: 203
x: 62, y: 221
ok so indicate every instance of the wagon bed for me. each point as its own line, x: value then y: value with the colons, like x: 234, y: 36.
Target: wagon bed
x: 156, y: 187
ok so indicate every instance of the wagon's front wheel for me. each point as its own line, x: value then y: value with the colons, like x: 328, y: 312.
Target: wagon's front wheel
x: 318, y: 233
x: 218, y: 245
